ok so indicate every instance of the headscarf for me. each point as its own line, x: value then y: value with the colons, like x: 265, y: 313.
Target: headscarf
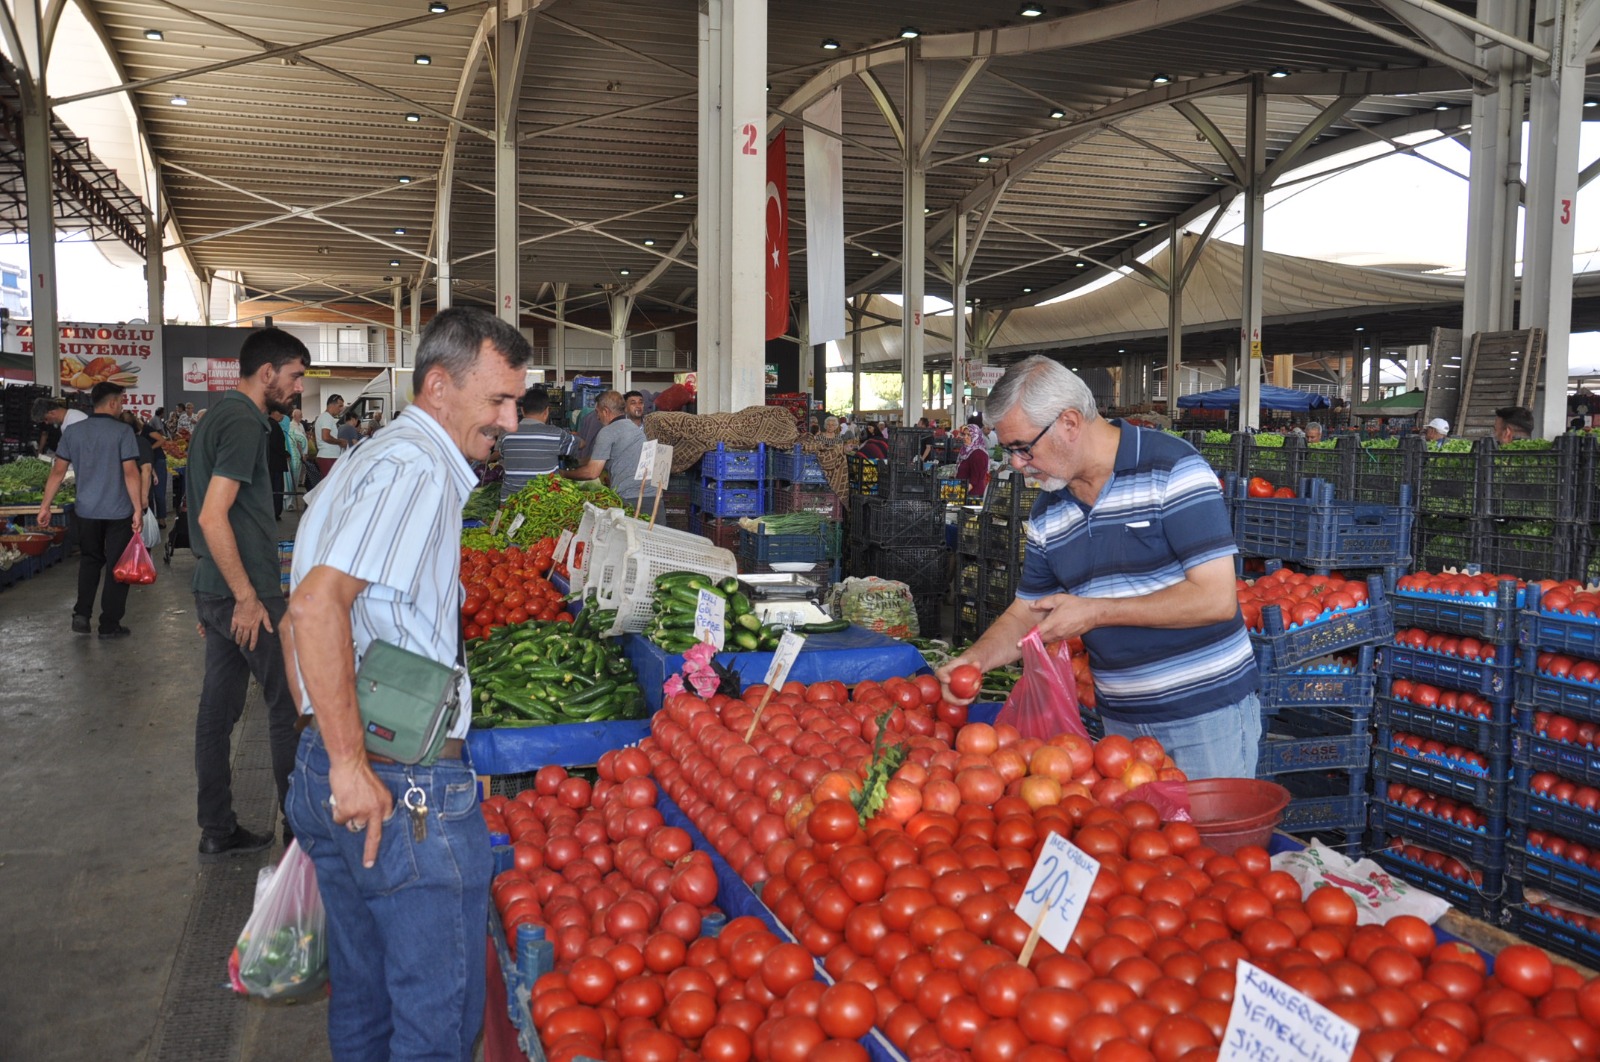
x: 975, y: 442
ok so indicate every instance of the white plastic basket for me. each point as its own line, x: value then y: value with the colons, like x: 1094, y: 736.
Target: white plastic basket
x: 593, y: 528
x: 650, y: 553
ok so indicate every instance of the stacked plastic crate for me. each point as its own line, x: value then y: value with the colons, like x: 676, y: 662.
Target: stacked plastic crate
x: 1555, y: 800
x: 1002, y: 543
x: 796, y: 484
x: 903, y: 539
x: 787, y: 552
x: 1441, y: 757
x: 970, y: 617
x: 732, y: 484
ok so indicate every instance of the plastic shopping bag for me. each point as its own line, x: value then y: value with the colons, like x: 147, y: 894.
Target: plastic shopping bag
x: 149, y: 530
x: 1044, y: 702
x: 1378, y: 896
x: 283, y: 951
x: 135, y: 565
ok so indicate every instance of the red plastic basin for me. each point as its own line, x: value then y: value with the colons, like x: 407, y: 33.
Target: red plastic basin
x: 1233, y: 812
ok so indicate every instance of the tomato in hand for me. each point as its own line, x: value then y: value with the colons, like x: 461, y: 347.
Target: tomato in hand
x: 965, y: 681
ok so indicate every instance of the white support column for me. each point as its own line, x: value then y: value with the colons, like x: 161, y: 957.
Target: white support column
x: 416, y: 320
x: 958, y: 326
x: 1494, y: 190
x: 1250, y: 359
x: 621, y: 310
x: 914, y: 231
x: 558, y: 335
x: 732, y: 201
x: 399, y: 330
x: 510, y: 51
x: 39, y: 192
x: 1174, y: 314
x: 155, y: 276
x: 1555, y: 121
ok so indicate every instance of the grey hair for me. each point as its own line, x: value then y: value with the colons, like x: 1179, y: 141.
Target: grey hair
x: 611, y: 402
x: 1314, y: 424
x: 832, y: 423
x: 1045, y: 388
x: 455, y: 337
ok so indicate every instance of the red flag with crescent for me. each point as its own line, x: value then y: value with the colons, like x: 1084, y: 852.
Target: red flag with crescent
x: 777, y: 236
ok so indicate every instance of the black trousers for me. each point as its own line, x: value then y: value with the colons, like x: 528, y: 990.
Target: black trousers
x: 100, y: 545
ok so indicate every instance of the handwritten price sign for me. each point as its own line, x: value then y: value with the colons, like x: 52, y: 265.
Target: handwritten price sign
x: 1271, y: 1020
x: 1058, y: 887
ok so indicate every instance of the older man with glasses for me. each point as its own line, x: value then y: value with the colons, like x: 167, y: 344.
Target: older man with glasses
x: 1129, y: 547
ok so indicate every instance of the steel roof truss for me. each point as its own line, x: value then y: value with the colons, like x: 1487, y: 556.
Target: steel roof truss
x: 643, y: 57
x: 1443, y: 13
x: 843, y: 138
x: 947, y: 110
x: 295, y: 213
x: 1215, y: 137
x: 331, y: 305
x: 622, y: 112
x: 886, y: 106
x: 1174, y: 156
x: 1325, y: 118
x: 1472, y: 70
x: 359, y: 296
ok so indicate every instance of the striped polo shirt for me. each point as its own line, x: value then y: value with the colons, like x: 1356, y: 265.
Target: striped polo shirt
x: 390, y: 515
x: 1160, y: 514
x: 533, y: 449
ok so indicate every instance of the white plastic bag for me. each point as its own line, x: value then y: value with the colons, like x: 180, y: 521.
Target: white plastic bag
x: 1378, y: 896
x: 149, y: 530
x: 283, y: 952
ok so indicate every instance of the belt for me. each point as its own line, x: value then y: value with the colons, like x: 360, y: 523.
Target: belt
x: 450, y: 751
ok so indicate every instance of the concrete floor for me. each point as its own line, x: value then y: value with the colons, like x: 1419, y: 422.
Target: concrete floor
x: 115, y: 936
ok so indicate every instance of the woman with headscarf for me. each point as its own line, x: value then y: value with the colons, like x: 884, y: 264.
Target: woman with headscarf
x: 972, y: 463
x: 294, y: 434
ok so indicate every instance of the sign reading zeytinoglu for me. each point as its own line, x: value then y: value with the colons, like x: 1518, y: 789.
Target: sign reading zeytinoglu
x: 100, y: 353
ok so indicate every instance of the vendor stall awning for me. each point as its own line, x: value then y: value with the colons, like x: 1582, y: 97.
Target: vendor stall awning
x: 1285, y: 398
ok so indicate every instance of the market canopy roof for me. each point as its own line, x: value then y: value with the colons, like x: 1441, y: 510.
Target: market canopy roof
x: 1285, y: 398
x: 1408, y: 404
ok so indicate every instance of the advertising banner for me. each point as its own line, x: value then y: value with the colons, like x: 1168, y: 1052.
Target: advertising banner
x: 211, y: 374
x: 126, y: 355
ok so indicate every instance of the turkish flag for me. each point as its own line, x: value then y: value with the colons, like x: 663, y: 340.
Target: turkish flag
x: 777, y: 236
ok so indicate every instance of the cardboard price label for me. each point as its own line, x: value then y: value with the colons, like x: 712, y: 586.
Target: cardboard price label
x: 518, y: 522
x: 494, y: 525
x: 563, y: 544
x: 1059, y: 887
x: 647, y: 460
x: 662, y: 472
x: 1271, y: 1020
x: 783, y: 658
x: 710, y: 619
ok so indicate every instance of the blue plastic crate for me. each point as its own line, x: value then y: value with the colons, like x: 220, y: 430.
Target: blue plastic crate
x: 1345, y: 813
x: 1558, y: 632
x: 1496, y: 681
x: 1492, y: 619
x: 1572, y: 761
x: 795, y: 466
x: 1484, y: 848
x: 1281, y: 648
x: 1488, y: 736
x: 1536, y: 690
x: 1538, y: 812
x: 1559, y: 877
x: 1320, y: 531
x: 1474, y: 901
x: 796, y: 549
x: 722, y: 499
x: 1286, y: 753
x: 745, y: 466
x: 1488, y: 792
x: 1563, y: 938
x: 1322, y: 685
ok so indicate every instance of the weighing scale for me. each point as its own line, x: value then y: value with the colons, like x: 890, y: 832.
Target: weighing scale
x: 784, y: 598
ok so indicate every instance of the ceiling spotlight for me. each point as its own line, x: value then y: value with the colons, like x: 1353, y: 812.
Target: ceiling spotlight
x: 422, y: 60
x: 1441, y: 106
x: 983, y: 158
x: 153, y: 35
x: 624, y: 272
x: 677, y: 195
x: 1058, y: 113
x: 910, y: 33
x: 1161, y: 79
x: 179, y: 101
x: 1278, y: 71
x: 1590, y: 101
x: 399, y: 231
x: 1027, y: 291
x: 413, y: 117
x: 404, y: 179
x: 1082, y: 264
x: 829, y: 44
x: 649, y: 243
x: 436, y: 8
x: 1122, y: 350
x: 1144, y: 224
x: 394, y: 262
x: 875, y: 254
x: 1361, y: 328
x: 1032, y: 10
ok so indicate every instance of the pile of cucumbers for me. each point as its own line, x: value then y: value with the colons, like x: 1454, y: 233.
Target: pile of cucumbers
x: 677, y: 596
x: 541, y: 673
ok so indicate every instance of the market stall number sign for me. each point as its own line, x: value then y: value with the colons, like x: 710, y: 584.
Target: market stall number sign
x: 1270, y: 1020
x: 1059, y: 887
x: 710, y: 619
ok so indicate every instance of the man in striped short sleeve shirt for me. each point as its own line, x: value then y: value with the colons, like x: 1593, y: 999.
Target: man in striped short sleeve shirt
x: 537, y: 446
x: 1129, y: 547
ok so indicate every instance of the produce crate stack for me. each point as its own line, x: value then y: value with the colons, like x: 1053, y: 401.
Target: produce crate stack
x: 1317, y: 686
x: 1321, y: 533
x: 797, y: 403
x: 821, y: 548
x: 1381, y: 468
x: 16, y: 412
x: 1273, y: 457
x: 1334, y: 462
x: 903, y: 539
x: 731, y: 484
x: 1221, y: 449
x: 1442, y: 773
x: 1555, y: 800
x: 796, y: 484
x: 969, y: 565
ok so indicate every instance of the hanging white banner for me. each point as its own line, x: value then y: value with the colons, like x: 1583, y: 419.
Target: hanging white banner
x: 824, y: 156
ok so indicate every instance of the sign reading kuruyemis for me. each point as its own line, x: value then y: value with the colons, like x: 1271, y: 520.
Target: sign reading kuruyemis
x: 126, y: 355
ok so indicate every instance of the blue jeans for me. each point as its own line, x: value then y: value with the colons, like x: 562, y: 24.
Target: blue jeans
x: 1219, y: 744
x: 405, y: 938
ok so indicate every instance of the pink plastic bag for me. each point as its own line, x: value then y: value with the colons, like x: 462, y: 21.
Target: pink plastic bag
x: 1170, y: 799
x: 135, y: 565
x: 1044, y: 702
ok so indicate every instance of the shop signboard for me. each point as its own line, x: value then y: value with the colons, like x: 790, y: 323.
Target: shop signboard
x: 127, y: 355
x: 211, y: 374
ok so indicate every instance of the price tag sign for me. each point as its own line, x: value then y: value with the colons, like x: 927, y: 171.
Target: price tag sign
x: 710, y: 619
x: 662, y: 472
x: 783, y: 659
x: 563, y: 544
x: 494, y: 525
x: 512, y: 530
x: 1059, y: 886
x: 1271, y: 1020
x: 647, y: 460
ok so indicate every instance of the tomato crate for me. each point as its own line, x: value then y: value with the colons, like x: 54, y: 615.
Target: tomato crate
x: 1558, y: 632
x: 1325, y: 802
x: 1484, y: 848
x: 866, y: 474
x: 731, y: 499
x: 1321, y: 685
x: 1481, y: 735
x: 821, y: 545
x: 1281, y: 647
x: 1223, y: 456
x: 1279, y: 464
x: 1488, y: 791
x: 741, y: 466
x: 1531, y: 549
x: 1566, y: 696
x: 1491, y: 619
x: 797, y: 498
x: 1556, y: 875
x: 904, y: 523
x: 1496, y: 681
x: 969, y: 528
x: 795, y: 466
x: 1379, y: 473
x: 1283, y: 751
x: 1535, y: 484
x: 1481, y: 902
x: 1319, y: 531
x: 1453, y: 484
x: 1539, y: 812
x: 722, y: 533
x: 1563, y: 938
x: 1571, y: 760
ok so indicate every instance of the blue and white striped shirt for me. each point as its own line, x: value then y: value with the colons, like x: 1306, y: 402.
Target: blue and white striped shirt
x: 1160, y: 514
x: 390, y: 515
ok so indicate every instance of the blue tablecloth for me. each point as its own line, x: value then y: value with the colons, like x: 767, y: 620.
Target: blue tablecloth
x: 518, y: 750
x: 850, y: 656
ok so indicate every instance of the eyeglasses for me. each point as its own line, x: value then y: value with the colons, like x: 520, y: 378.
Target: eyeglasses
x: 1025, y: 451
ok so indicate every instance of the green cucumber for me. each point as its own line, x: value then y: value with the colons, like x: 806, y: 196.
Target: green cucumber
x: 749, y: 621
x: 830, y: 627
x: 739, y: 605
x: 598, y: 692
x: 746, y: 640
x: 729, y: 586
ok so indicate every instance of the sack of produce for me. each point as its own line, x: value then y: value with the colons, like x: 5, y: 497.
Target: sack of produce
x: 135, y: 565
x: 880, y: 605
x: 282, y: 952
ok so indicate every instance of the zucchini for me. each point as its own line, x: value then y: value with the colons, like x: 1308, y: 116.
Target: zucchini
x: 830, y: 627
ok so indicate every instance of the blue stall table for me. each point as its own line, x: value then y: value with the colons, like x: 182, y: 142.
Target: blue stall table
x: 850, y: 656
x: 521, y: 750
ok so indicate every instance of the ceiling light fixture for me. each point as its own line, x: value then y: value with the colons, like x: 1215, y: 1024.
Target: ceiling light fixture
x: 1058, y: 113
x: 1144, y: 224
x: 1161, y: 79
x: 404, y: 179
x: 1278, y: 71
x: 1027, y: 291
x: 983, y: 158
x: 413, y: 117
x: 875, y: 254
x: 1590, y: 101
x: 394, y: 262
x: 436, y: 8
x: 910, y: 33
x: 154, y: 35
x: 1032, y: 10
x: 179, y: 101
x: 1361, y: 328
x: 1441, y: 106
x: 1082, y: 264
x: 422, y: 60
x: 1122, y: 350
x: 829, y: 44
x: 624, y: 272
x: 399, y: 231
x: 677, y: 195
x: 649, y: 243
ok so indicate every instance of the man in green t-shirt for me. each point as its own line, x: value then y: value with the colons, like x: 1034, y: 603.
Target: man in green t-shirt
x: 238, y: 590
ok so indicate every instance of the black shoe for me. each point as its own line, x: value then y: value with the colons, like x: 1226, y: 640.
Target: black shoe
x: 118, y: 631
x: 80, y: 624
x: 239, y: 842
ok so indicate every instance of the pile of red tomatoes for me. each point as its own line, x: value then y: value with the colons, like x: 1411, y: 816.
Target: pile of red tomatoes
x: 1457, y: 702
x: 507, y: 587
x: 1568, y: 597
x: 1564, y: 729
x: 1463, y: 647
x: 1302, y: 598
x: 1438, y: 862
x: 1440, y: 807
x: 1417, y: 745
x: 1565, y: 791
x: 1453, y: 585
x: 1561, y: 666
